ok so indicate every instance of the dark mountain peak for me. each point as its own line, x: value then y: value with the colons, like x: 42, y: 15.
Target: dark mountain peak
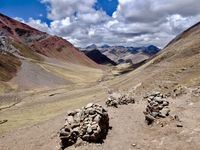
x: 151, y: 50
x: 99, y: 58
x: 91, y: 47
x: 105, y: 46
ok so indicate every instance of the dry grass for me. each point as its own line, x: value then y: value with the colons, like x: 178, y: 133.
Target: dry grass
x: 37, y: 107
x: 122, y: 68
x: 74, y: 73
x: 26, y: 51
x: 9, y: 65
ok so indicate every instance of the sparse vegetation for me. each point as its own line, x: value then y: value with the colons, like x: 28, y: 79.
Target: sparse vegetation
x: 26, y: 51
x: 9, y: 65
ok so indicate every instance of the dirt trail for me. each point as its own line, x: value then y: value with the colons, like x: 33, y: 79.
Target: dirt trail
x: 129, y: 130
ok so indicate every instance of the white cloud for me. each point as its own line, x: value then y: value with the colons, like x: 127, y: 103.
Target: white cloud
x: 134, y: 23
x: 38, y: 24
x: 35, y: 23
x: 59, y: 9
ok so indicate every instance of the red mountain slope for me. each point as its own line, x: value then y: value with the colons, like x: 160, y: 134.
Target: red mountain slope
x: 41, y: 42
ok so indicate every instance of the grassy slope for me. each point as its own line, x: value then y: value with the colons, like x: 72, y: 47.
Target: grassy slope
x: 178, y: 63
x: 26, y: 51
x: 9, y: 65
x: 74, y: 73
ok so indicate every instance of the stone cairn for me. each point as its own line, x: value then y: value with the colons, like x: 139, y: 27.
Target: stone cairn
x: 157, y: 107
x: 91, y: 124
x: 116, y: 99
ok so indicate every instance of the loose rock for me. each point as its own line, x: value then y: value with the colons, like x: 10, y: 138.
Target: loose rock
x: 179, y: 125
x: 91, y: 124
x: 178, y: 91
x: 116, y: 99
x: 196, y: 92
x: 157, y: 107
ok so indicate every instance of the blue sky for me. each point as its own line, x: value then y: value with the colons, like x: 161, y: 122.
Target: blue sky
x: 23, y: 9
x: 26, y: 9
x: 107, y: 5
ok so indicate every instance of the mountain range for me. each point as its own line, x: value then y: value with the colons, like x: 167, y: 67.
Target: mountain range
x: 123, y: 54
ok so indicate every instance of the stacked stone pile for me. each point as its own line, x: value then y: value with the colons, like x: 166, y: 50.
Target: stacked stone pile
x: 157, y: 107
x: 91, y: 124
x: 116, y: 99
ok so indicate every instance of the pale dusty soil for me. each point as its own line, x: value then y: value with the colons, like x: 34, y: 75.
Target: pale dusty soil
x: 128, y: 127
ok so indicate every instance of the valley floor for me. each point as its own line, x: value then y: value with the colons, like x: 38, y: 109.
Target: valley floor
x: 34, y: 123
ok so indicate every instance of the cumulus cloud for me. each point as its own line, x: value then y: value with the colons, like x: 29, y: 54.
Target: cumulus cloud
x: 59, y: 9
x: 35, y: 23
x: 134, y: 23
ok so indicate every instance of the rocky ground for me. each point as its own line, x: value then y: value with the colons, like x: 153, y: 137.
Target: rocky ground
x: 178, y: 130
x: 128, y: 129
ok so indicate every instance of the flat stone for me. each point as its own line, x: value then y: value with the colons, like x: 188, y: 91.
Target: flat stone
x: 76, y: 129
x: 74, y: 125
x: 71, y: 113
x: 64, y: 133
x: 70, y: 119
x: 134, y: 145
x: 98, y: 129
x: 160, y: 106
x: 165, y: 103
x: 164, y: 112
x: 149, y: 119
x: 94, y: 127
x: 179, y: 125
x: 85, y: 137
x: 89, y: 130
x: 153, y: 103
x: 89, y: 105
x: 154, y: 114
x: 158, y: 99
x: 97, y: 118
x: 91, y: 111
x: 151, y: 97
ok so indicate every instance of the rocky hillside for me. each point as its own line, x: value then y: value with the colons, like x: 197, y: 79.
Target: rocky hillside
x: 33, y: 59
x: 28, y: 41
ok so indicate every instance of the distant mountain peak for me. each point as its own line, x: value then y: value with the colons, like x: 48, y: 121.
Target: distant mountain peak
x: 99, y: 58
x: 91, y: 47
x: 105, y: 46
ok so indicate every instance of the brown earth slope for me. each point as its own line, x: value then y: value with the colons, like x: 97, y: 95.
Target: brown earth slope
x: 42, y: 43
x: 33, y: 59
